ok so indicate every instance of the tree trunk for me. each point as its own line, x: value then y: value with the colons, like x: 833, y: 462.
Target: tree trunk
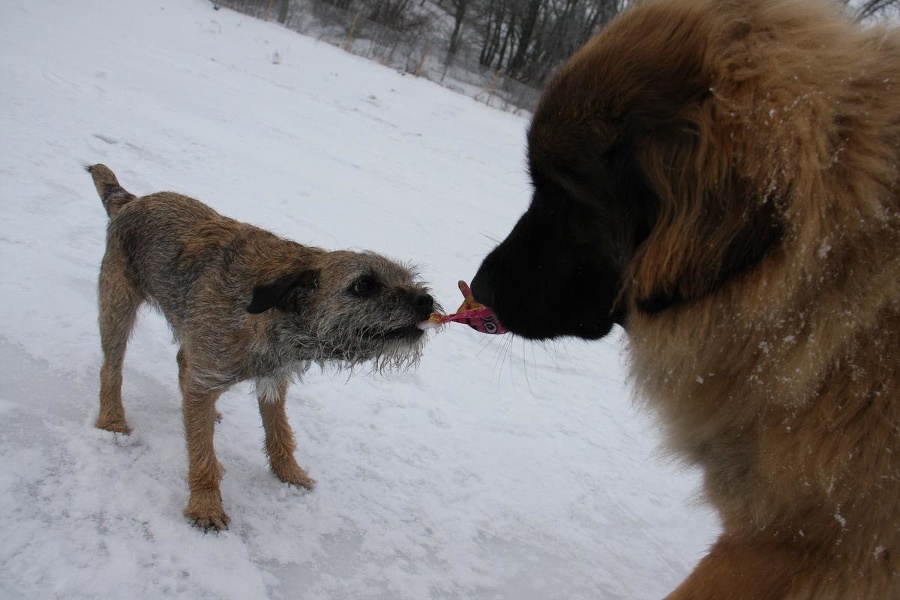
x: 459, y: 15
x: 517, y: 60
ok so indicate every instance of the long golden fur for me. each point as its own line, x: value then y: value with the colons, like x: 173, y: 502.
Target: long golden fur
x: 731, y: 170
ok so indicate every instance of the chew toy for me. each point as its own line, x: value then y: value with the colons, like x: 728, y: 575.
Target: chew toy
x: 477, y: 316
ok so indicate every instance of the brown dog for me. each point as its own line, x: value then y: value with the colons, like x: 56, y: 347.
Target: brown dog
x: 243, y: 304
x: 722, y: 178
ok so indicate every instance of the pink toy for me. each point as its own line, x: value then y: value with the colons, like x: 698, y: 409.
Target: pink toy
x: 477, y: 316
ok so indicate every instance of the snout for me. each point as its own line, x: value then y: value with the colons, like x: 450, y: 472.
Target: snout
x: 421, y: 302
x: 482, y: 290
x: 541, y: 287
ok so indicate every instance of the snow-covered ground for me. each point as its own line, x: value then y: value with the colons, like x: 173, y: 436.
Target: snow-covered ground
x: 498, y: 470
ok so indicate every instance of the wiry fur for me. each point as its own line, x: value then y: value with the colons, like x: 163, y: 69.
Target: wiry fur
x: 722, y: 177
x: 243, y: 304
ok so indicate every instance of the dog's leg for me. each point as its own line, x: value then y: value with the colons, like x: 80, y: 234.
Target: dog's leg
x: 754, y: 568
x: 204, y: 471
x: 119, y: 302
x: 736, y: 568
x: 280, y: 443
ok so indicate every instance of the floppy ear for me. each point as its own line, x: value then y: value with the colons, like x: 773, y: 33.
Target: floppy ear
x: 720, y: 256
x: 692, y: 254
x: 283, y: 293
x: 717, y: 217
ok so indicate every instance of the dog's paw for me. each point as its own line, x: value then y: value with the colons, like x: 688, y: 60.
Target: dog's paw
x: 205, y: 511
x: 294, y: 475
x: 116, y: 426
x: 214, y: 523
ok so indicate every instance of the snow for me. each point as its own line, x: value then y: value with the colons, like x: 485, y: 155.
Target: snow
x: 498, y: 469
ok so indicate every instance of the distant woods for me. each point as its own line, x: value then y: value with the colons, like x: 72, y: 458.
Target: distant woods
x: 528, y: 39
x: 499, y: 51
x: 522, y: 39
x: 525, y: 39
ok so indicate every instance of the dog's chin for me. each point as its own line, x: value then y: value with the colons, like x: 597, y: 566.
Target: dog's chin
x: 411, y: 333
x: 539, y: 324
x: 371, y: 338
x: 540, y: 330
x: 394, y: 349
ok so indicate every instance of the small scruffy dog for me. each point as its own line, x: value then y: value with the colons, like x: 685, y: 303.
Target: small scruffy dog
x: 243, y: 304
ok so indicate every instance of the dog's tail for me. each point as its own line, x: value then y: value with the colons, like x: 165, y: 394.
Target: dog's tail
x: 113, y: 195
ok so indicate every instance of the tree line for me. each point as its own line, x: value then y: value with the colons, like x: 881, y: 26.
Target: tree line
x: 523, y: 39
x: 504, y: 47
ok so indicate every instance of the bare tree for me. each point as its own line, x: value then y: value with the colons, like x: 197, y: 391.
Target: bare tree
x: 530, y: 12
x: 495, y: 21
x: 872, y: 8
x: 565, y: 27
x: 342, y: 4
x: 528, y: 39
x: 283, y: 7
x: 866, y: 9
x: 396, y: 14
x: 459, y: 15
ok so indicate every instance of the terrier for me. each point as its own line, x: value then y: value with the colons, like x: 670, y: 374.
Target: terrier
x: 243, y: 304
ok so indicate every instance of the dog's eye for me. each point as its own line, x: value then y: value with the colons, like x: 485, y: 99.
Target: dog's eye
x: 367, y: 285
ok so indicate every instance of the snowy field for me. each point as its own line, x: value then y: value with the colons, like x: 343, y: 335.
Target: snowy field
x: 499, y: 469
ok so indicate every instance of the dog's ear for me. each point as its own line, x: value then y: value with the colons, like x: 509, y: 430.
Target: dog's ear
x: 283, y: 293
x: 685, y: 259
x: 717, y: 219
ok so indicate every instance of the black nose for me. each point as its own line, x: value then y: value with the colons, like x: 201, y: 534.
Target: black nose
x: 423, y: 303
x: 481, y: 289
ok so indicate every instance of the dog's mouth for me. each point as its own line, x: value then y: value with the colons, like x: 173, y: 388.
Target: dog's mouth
x: 371, y: 338
x: 408, y: 332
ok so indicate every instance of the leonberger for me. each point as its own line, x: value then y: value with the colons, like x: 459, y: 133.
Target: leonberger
x: 722, y: 179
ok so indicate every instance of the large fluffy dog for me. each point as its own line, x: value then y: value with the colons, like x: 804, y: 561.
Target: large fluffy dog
x: 722, y: 178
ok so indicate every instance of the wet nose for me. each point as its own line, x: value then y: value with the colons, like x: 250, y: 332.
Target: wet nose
x: 422, y: 302
x: 482, y: 290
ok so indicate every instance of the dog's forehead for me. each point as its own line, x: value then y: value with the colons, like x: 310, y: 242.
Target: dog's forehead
x: 349, y: 265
